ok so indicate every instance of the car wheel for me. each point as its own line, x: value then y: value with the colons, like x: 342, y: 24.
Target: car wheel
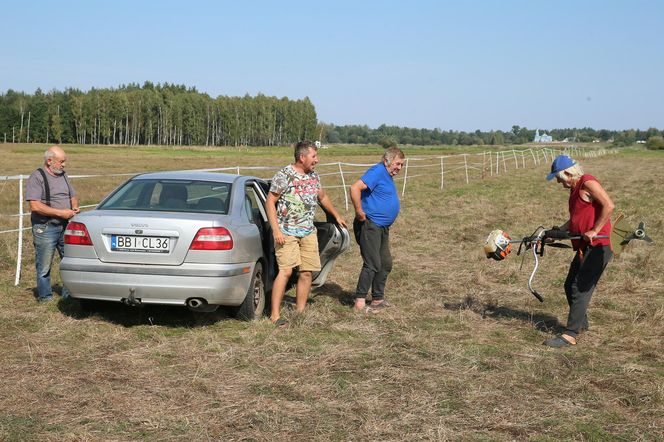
x: 253, y: 305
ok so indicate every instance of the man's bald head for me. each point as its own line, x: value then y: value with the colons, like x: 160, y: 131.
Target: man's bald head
x: 55, y: 159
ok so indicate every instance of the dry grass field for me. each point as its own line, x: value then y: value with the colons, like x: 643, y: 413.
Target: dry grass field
x: 459, y: 357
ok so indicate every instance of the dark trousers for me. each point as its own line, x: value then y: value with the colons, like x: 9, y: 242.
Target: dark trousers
x: 374, y: 244
x: 583, y: 275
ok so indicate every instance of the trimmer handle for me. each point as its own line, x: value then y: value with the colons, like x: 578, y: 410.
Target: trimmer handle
x: 564, y: 234
x: 556, y: 234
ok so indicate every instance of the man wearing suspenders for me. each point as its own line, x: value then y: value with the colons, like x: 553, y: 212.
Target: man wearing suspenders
x: 53, y: 202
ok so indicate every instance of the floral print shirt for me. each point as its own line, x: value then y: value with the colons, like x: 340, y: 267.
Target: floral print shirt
x: 296, y: 205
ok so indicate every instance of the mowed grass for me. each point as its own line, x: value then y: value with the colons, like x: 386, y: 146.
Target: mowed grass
x: 458, y: 358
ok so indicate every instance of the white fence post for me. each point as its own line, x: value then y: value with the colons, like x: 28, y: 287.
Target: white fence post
x: 483, y: 163
x: 465, y: 165
x: 343, y: 185
x: 516, y: 162
x: 19, y: 252
x: 405, y: 177
x: 490, y: 164
x: 442, y: 173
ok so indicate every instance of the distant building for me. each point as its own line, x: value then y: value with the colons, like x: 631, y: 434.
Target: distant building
x: 544, y: 138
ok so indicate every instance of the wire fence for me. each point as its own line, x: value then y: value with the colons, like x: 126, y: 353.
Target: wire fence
x: 446, y: 168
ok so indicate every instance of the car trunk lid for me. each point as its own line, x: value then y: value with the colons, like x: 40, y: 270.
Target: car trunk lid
x: 138, y: 237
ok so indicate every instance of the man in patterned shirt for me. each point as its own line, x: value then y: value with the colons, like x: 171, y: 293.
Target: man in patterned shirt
x: 294, y: 193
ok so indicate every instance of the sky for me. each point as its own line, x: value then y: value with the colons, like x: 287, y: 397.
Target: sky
x: 452, y: 65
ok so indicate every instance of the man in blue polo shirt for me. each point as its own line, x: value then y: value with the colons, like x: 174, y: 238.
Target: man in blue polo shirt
x: 376, y: 203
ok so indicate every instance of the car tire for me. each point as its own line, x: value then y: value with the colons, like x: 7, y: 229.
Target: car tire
x: 253, y: 305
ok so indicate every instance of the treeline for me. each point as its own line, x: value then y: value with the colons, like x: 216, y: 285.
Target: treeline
x: 386, y: 135
x: 155, y: 115
x: 171, y: 114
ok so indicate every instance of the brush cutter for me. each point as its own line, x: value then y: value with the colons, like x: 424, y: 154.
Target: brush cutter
x: 499, y: 244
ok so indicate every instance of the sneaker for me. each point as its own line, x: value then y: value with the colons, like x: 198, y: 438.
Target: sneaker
x: 45, y: 299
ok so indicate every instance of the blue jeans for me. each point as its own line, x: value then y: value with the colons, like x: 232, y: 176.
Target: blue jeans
x: 47, y: 238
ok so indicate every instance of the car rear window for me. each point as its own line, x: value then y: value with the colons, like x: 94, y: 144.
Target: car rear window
x: 170, y: 196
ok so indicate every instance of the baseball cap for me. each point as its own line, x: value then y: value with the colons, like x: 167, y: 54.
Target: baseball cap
x: 561, y: 162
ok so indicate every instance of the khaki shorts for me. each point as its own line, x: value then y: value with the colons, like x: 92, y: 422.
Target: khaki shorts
x: 301, y: 252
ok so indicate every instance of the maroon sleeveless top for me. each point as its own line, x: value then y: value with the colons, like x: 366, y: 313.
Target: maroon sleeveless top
x: 582, y: 216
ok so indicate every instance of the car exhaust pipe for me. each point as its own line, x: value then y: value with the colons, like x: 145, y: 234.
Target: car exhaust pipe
x: 200, y: 305
x: 195, y: 303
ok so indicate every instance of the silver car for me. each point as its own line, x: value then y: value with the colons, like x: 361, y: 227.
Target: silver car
x: 196, y: 239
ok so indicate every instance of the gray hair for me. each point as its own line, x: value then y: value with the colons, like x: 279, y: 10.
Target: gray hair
x: 575, y: 172
x: 391, y: 153
x: 49, y: 154
x: 302, y: 147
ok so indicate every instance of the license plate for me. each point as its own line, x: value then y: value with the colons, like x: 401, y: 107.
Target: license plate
x: 149, y: 244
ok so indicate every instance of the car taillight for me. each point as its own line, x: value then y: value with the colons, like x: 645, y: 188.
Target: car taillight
x: 77, y: 234
x: 212, y: 238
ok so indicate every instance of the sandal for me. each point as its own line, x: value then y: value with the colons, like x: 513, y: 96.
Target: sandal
x: 558, y: 342
x: 367, y: 309
x: 381, y: 305
x: 280, y: 323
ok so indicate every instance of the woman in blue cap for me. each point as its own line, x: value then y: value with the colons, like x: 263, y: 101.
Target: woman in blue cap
x: 590, y: 209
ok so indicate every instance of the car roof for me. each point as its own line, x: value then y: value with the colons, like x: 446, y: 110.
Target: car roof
x: 195, y: 175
